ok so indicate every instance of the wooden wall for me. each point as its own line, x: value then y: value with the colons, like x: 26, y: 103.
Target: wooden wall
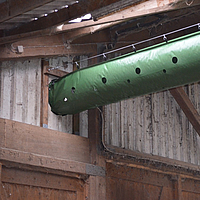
x: 154, y: 124
x: 126, y: 181
x: 20, y: 95
x: 29, y: 185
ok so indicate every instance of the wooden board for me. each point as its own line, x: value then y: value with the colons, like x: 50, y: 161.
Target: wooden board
x: 28, y: 185
x: 33, y: 139
x: 128, y: 182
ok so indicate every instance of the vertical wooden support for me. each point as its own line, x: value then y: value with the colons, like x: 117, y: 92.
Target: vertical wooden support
x: 97, y: 184
x: 177, y: 189
x: 44, y: 95
x: 1, y: 187
x: 76, y: 117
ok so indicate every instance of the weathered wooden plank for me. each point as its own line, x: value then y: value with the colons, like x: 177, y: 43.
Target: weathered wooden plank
x: 157, y: 160
x: 20, y: 81
x: 47, y: 51
x: 55, y: 72
x: 188, y: 108
x: 1, y: 186
x: 38, y: 179
x: 44, y: 95
x: 31, y: 161
x: 137, y: 175
x: 177, y: 189
x: 190, y: 185
x: 97, y: 185
x: 46, y: 142
x: 2, y: 133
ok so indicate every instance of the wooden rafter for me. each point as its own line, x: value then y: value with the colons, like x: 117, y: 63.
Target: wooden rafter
x: 188, y: 108
x: 64, y: 15
x: 12, y: 8
x: 33, y: 29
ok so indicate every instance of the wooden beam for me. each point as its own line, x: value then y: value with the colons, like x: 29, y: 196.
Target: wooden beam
x: 177, y: 188
x: 97, y: 185
x: 46, y: 51
x: 11, y: 157
x: 64, y: 15
x: 45, y: 142
x: 188, y: 108
x: 55, y: 72
x: 44, y: 95
x: 1, y: 186
x: 70, y: 34
x: 158, y: 163
x: 12, y: 8
x: 141, y: 9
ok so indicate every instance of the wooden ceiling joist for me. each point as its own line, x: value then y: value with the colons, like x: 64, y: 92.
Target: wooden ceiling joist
x: 6, y: 53
x: 42, y: 26
x: 62, y: 16
x: 187, y: 106
x: 12, y: 8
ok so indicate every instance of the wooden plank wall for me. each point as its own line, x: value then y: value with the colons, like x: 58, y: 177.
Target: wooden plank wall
x: 20, y: 95
x: 154, y: 124
x: 20, y: 90
x: 56, y: 122
x: 126, y: 181
x: 21, y: 184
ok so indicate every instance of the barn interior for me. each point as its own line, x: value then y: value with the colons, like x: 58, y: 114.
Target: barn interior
x: 146, y: 147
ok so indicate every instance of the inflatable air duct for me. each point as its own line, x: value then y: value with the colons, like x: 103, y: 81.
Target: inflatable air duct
x: 153, y: 69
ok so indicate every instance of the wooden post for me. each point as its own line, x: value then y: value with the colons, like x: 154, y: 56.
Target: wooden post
x: 44, y: 95
x: 177, y: 189
x: 1, y: 186
x: 97, y: 184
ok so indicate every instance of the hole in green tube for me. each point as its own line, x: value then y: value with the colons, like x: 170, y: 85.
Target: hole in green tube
x: 137, y: 70
x: 104, y: 80
x: 73, y: 90
x: 174, y: 60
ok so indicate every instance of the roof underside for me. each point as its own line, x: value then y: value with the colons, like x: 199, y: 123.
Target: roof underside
x: 21, y: 20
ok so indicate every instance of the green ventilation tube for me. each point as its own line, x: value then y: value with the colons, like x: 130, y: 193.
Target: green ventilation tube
x: 160, y: 67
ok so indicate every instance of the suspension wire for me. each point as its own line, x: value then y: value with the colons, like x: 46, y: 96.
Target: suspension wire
x: 164, y: 36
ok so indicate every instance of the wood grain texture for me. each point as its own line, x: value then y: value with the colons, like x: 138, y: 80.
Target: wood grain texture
x: 188, y: 108
x: 154, y: 124
x: 22, y: 184
x: 45, y: 142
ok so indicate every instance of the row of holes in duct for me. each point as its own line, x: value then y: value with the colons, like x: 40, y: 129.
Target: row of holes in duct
x: 137, y: 71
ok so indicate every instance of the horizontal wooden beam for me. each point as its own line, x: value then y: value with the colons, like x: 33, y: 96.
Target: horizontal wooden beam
x: 153, y: 162
x: 46, y: 51
x: 141, y: 9
x: 8, y: 156
x: 67, y: 34
x: 62, y: 145
x: 187, y: 106
x: 55, y: 72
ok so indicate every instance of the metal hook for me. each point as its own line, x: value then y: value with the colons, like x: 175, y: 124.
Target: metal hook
x: 165, y: 38
x: 104, y: 56
x: 77, y: 65
x: 134, y: 49
x: 199, y: 27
